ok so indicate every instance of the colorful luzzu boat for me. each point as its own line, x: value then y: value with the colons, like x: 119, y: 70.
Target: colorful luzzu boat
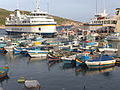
x: 102, y: 61
x: 51, y: 57
x: 68, y: 59
x: 80, y: 59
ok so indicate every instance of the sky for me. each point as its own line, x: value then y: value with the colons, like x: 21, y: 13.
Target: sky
x: 78, y: 10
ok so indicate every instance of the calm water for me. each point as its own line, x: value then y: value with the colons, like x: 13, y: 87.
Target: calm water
x: 56, y: 77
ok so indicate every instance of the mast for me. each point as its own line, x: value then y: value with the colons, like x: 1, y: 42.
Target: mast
x: 18, y: 4
x: 48, y: 7
x: 104, y: 10
x: 96, y: 6
x: 37, y: 5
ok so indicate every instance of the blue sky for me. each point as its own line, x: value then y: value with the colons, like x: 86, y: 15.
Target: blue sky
x: 79, y: 10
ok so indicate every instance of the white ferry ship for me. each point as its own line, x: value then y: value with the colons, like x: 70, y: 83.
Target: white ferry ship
x: 37, y: 22
x: 102, y: 20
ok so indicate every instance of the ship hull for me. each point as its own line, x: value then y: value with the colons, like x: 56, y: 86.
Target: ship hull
x: 46, y: 30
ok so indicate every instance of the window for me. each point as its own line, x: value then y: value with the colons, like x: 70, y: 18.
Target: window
x: 113, y: 22
x: 39, y: 29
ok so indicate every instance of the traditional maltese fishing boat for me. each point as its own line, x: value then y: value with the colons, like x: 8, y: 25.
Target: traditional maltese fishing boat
x: 102, y: 61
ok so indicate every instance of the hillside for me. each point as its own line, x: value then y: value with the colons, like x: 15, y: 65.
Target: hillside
x: 3, y: 14
x: 60, y: 21
x: 65, y: 21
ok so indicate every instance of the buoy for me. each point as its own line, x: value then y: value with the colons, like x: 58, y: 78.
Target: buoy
x: 21, y: 80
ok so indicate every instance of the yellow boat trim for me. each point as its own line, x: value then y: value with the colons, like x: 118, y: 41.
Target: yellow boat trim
x: 27, y: 25
x: 95, y: 25
x: 77, y: 60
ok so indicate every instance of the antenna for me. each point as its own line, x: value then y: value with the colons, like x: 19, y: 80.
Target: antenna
x: 37, y: 4
x: 96, y: 6
x: 48, y: 7
x: 104, y: 7
x: 104, y: 4
x: 18, y: 4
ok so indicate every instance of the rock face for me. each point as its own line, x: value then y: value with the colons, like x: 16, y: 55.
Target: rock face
x: 60, y: 21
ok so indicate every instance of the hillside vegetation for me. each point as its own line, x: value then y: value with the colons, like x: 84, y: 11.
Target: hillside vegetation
x: 3, y: 14
x: 60, y: 21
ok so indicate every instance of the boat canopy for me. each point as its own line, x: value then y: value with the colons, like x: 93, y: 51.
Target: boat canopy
x: 101, y: 58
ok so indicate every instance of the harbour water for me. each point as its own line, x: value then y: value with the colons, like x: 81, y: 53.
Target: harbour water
x: 57, y: 76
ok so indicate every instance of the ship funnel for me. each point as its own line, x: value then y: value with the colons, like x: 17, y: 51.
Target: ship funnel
x: 17, y: 13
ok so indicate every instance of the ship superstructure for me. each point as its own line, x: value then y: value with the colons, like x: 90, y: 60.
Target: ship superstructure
x: 102, y: 20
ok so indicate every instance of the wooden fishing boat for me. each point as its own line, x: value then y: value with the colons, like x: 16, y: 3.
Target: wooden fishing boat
x: 107, y: 49
x: 102, y: 61
x: 3, y: 71
x: 51, y: 57
x: 2, y: 50
x: 9, y: 48
x: 80, y: 59
x: 16, y: 50
x: 37, y: 53
x: 69, y: 59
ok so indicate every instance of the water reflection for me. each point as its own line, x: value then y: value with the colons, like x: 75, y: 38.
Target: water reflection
x: 104, y: 71
x: 53, y: 63
x: 32, y: 60
x: 11, y: 56
x: 67, y: 66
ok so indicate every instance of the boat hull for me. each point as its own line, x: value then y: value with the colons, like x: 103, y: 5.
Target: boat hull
x: 52, y: 58
x: 16, y: 50
x: 34, y: 53
x: 108, y: 49
x: 37, y: 55
x: 69, y: 59
x: 100, y: 64
x: 46, y: 30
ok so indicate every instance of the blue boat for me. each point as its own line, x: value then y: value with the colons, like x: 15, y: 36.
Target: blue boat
x: 101, y: 61
x: 16, y: 50
x: 81, y: 59
x: 2, y: 49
